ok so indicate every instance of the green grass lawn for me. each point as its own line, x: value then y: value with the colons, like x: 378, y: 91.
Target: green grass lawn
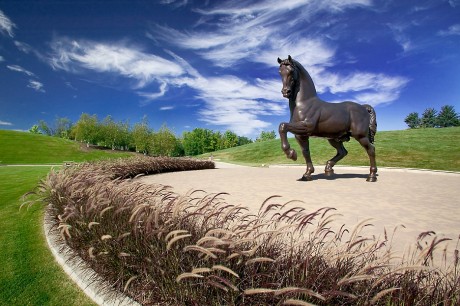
x: 28, y: 148
x: 29, y: 274
x: 436, y: 149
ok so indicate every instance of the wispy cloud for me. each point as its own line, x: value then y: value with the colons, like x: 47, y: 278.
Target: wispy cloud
x: 175, y: 3
x: 23, y: 47
x: 36, y: 85
x: 6, y: 25
x: 18, y: 68
x: 363, y: 87
x: 166, y: 108
x: 452, y: 30
x: 131, y: 62
x: 1, y: 58
x: 5, y: 123
x: 236, y: 104
x: 152, y: 96
x: 238, y: 32
x: 115, y: 59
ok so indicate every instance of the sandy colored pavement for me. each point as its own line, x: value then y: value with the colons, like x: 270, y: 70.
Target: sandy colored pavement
x: 418, y: 199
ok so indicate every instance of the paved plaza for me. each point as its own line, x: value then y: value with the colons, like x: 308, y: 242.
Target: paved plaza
x: 420, y: 200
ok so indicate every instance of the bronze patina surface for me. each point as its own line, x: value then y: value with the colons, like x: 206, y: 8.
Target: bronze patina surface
x: 311, y: 116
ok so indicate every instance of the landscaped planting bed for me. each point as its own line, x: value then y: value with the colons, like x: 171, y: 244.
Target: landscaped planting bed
x: 159, y: 247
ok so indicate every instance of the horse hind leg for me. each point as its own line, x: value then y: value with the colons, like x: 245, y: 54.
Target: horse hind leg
x: 341, y: 153
x: 370, y: 149
x: 305, y: 145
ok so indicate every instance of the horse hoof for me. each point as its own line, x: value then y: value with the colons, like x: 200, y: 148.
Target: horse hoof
x: 329, y: 172
x: 371, y: 179
x: 292, y: 154
x: 305, y: 178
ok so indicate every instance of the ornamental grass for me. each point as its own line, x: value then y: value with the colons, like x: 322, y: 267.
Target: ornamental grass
x: 163, y: 248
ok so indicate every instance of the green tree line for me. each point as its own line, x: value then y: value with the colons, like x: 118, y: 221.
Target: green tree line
x: 119, y: 135
x: 431, y: 118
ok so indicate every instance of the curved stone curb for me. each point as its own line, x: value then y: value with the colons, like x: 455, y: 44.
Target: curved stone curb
x: 87, y: 279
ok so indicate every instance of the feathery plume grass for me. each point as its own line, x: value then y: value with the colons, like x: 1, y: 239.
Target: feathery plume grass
x: 160, y: 247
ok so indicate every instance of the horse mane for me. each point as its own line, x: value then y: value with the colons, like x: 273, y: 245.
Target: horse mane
x: 305, y: 73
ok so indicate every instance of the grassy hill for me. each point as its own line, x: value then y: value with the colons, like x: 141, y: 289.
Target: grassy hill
x: 420, y: 148
x: 27, y: 148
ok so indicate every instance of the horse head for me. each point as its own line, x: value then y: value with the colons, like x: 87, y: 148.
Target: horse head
x: 289, y: 76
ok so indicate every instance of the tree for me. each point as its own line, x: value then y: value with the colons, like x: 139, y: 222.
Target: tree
x: 164, y: 142
x: 412, y: 120
x: 44, y: 128
x: 243, y: 140
x: 141, y: 136
x: 34, y: 129
x: 264, y: 136
x: 196, y: 142
x: 87, y: 129
x: 62, y: 127
x: 448, y: 117
x: 114, y: 135
x: 230, y: 139
x: 428, y: 119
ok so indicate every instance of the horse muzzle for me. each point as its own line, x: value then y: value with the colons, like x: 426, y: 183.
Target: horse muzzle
x: 286, y: 92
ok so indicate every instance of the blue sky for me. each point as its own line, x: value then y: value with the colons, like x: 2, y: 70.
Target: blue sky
x: 213, y: 64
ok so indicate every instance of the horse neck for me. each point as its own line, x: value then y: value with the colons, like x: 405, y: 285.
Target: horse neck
x: 307, y: 88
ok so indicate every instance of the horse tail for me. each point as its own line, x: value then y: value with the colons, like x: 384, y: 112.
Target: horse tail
x: 372, y: 122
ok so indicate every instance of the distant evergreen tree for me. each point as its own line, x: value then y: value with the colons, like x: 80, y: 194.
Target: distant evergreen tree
x: 428, y: 119
x: 412, y: 120
x: 448, y: 117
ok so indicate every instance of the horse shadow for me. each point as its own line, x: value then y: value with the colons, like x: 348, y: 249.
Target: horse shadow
x: 336, y: 176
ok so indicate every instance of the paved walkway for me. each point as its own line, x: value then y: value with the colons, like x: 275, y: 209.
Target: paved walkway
x: 420, y: 200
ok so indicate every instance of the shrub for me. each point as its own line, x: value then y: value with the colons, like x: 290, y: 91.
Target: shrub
x: 161, y: 247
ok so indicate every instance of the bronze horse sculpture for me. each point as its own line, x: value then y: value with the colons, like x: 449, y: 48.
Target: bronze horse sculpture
x: 311, y: 116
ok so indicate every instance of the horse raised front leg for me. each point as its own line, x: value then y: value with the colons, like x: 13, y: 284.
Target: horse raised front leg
x: 305, y: 145
x: 285, y: 146
x: 297, y: 128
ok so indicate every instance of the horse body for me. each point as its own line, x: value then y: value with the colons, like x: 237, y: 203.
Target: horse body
x: 311, y: 116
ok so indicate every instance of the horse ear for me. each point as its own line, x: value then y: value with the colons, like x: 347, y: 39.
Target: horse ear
x: 279, y: 61
x: 289, y: 58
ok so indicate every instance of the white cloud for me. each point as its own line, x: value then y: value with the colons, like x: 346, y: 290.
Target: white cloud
x: 1, y: 58
x: 174, y: 3
x: 237, y: 31
x: 400, y: 36
x: 5, y: 123
x: 23, y: 47
x: 236, y: 104
x: 452, y: 30
x: 6, y: 25
x: 152, y: 96
x: 165, y: 108
x: 310, y: 52
x: 362, y: 87
x: 18, y: 68
x: 125, y: 61
x: 36, y: 85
